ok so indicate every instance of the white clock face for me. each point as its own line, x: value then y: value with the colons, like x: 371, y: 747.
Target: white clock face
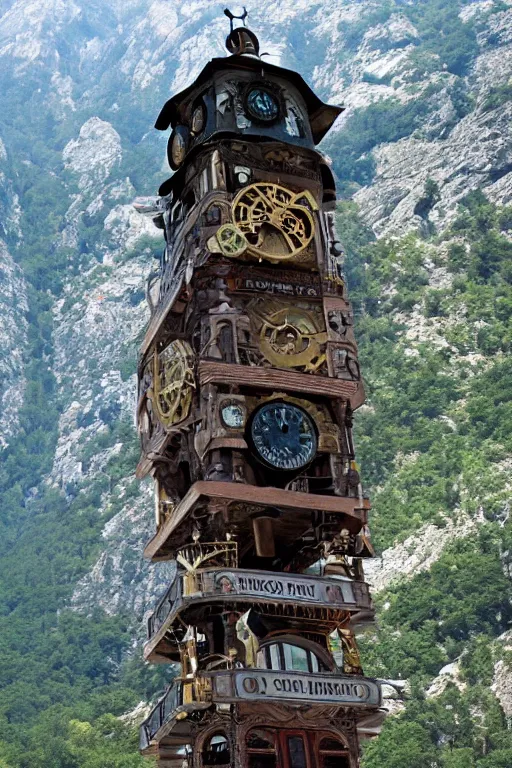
x: 233, y: 416
x: 284, y: 436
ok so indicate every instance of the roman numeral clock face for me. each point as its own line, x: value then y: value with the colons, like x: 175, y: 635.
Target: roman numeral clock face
x: 283, y: 436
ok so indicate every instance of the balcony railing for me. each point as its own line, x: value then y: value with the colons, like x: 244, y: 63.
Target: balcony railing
x: 237, y: 585
x: 229, y: 686
x: 160, y: 714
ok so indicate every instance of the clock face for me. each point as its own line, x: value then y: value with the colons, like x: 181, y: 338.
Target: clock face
x: 284, y: 436
x: 233, y: 415
x: 262, y: 105
x: 177, y: 147
x: 198, y: 120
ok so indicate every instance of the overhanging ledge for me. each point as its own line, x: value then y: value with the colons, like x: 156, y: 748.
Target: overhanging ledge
x: 223, y: 494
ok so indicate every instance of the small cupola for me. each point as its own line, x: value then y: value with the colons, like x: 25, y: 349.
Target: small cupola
x: 241, y: 41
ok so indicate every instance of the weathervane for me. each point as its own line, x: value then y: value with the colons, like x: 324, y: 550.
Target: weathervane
x: 240, y: 39
x: 232, y: 17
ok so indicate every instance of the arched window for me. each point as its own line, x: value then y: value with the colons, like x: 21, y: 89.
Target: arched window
x: 287, y: 656
x: 216, y: 750
x: 261, y: 748
x: 333, y: 753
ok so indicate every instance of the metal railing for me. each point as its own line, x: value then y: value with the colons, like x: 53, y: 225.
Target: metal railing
x: 161, y: 713
x: 232, y: 583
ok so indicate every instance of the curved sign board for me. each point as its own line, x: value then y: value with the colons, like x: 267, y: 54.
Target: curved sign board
x: 328, y: 593
x: 236, y: 585
x: 257, y: 685
x: 276, y: 685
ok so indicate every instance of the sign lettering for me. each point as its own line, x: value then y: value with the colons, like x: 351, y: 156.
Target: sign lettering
x: 263, y: 684
x: 332, y: 592
x: 262, y: 285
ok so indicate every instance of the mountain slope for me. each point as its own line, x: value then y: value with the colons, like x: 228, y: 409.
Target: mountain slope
x: 425, y: 151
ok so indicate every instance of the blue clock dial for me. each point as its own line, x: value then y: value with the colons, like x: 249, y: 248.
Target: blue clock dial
x: 262, y: 105
x: 283, y: 436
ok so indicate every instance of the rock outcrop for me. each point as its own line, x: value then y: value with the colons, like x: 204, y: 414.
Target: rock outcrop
x: 13, y: 340
x: 86, y: 81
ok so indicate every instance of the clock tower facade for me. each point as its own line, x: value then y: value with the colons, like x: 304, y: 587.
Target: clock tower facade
x: 248, y: 380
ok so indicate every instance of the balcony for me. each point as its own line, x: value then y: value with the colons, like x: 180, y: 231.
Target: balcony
x: 181, y: 698
x: 305, y: 601
x: 235, y: 503
x: 235, y: 686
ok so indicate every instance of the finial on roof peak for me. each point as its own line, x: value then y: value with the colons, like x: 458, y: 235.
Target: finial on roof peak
x: 240, y: 39
x: 232, y: 17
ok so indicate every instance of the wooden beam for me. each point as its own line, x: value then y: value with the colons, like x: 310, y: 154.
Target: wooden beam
x: 250, y: 494
x: 280, y: 381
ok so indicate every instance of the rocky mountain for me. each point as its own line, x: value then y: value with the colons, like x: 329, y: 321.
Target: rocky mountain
x: 423, y: 158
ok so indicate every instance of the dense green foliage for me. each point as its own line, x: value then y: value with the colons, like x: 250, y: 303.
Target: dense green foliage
x: 60, y: 671
x: 435, y: 439
x: 498, y: 95
x: 428, y: 621
x: 444, y: 34
x: 441, y: 733
x: 439, y: 455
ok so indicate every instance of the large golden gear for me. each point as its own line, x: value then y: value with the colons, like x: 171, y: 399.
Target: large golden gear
x: 173, y: 383
x: 290, y: 336
x: 278, y: 223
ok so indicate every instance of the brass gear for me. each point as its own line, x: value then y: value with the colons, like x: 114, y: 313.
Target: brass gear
x: 278, y: 223
x: 173, y: 383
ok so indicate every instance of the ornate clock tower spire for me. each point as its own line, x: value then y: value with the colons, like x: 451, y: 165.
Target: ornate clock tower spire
x: 248, y: 380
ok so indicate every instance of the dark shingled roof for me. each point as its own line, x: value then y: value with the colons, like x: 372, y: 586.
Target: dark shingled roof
x: 321, y: 115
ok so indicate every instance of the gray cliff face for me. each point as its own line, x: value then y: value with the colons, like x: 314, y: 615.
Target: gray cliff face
x: 459, y: 154
x: 97, y: 323
x: 102, y: 71
x: 13, y: 306
x: 477, y: 154
x: 13, y: 337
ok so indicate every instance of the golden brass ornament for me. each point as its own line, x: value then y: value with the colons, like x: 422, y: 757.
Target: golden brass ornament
x: 351, y: 656
x: 279, y: 224
x: 229, y: 241
x: 173, y: 382
x: 290, y: 336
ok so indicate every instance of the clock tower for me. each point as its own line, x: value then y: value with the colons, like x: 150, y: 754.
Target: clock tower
x: 248, y: 381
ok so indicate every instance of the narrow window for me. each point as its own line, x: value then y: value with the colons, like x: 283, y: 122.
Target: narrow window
x: 296, y: 658
x: 261, y: 749
x: 296, y: 752
x: 333, y: 754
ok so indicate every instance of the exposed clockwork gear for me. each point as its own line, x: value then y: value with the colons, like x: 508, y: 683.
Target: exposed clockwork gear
x: 290, y: 336
x: 173, y: 383
x: 277, y: 223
